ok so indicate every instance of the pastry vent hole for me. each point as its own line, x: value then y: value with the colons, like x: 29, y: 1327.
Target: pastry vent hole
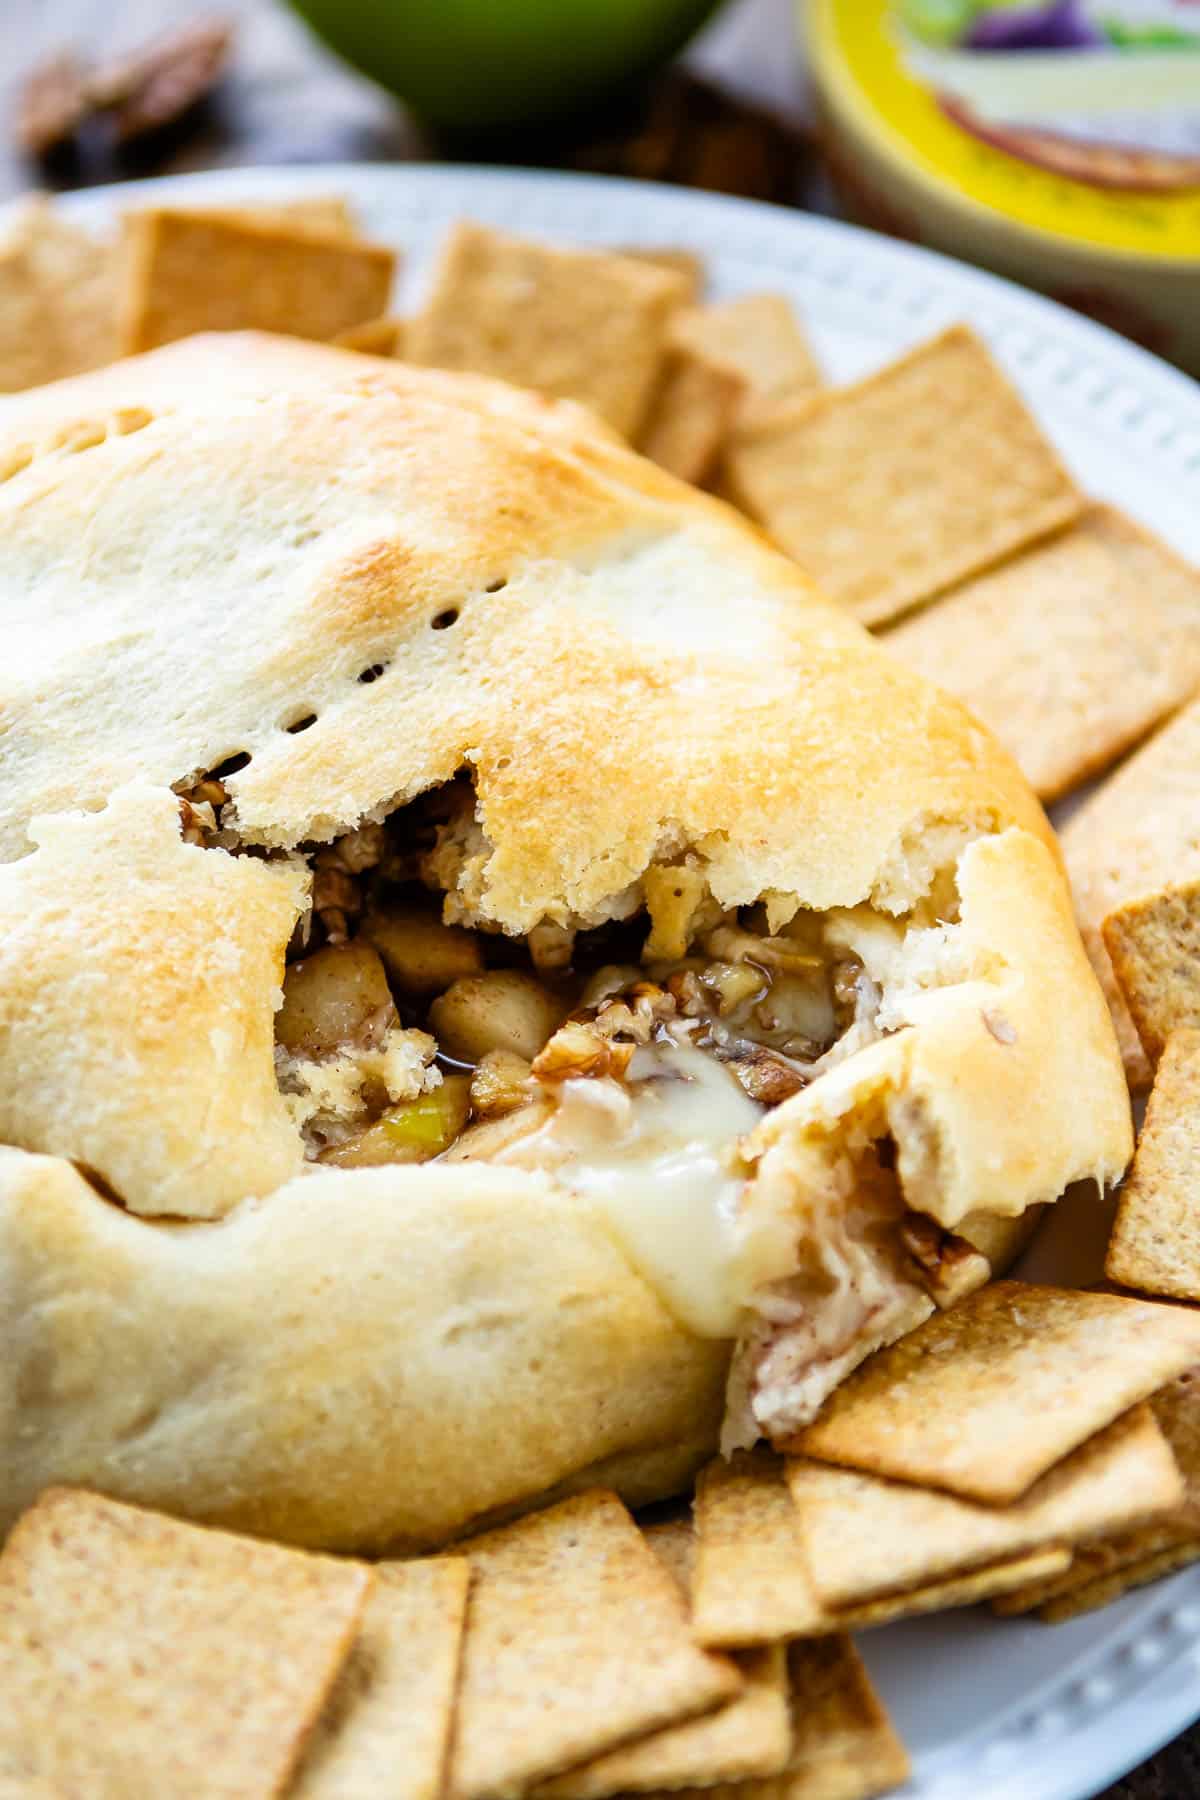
x: 301, y: 724
x: 371, y: 673
x: 444, y: 620
x: 80, y: 434
x: 128, y: 419
x: 232, y: 765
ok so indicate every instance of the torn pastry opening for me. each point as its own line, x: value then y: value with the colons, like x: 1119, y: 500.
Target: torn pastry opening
x: 632, y: 1057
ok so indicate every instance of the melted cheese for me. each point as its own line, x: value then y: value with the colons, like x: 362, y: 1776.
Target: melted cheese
x: 657, y: 1154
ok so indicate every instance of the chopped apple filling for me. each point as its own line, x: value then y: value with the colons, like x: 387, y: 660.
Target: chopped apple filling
x: 629, y: 1056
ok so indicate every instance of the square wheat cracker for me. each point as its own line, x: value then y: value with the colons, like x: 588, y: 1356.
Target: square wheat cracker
x: 749, y: 1736
x: 892, y: 490
x: 760, y: 337
x: 1153, y: 944
x: 577, y: 1640
x: 139, y: 1654
x: 1078, y: 1600
x: 1090, y: 1564
x: 1137, y: 833
x: 751, y: 1582
x: 691, y: 415
x: 386, y: 1725
x: 58, y: 289
x: 1177, y: 1410
x: 961, y: 1590
x: 755, y: 1584
x: 1155, y: 1242
x: 983, y: 1399
x: 844, y: 1746
x: 1071, y: 651
x: 329, y: 214
x: 190, y: 271
x: 574, y: 324
x: 867, y: 1537
x: 677, y: 261
x: 377, y: 337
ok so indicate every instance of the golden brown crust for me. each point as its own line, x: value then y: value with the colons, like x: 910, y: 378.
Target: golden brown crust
x: 630, y: 673
x: 293, y: 515
x: 139, y: 977
x: 367, y: 1357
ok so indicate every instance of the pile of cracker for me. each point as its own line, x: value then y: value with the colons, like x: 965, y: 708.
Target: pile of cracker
x: 1033, y: 1446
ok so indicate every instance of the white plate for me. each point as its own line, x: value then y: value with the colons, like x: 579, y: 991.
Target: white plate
x: 990, y: 1710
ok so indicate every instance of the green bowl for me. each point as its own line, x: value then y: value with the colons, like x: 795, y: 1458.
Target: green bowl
x: 485, y: 65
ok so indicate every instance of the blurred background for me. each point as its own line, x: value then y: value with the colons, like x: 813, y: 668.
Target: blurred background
x: 732, y: 114
x: 1055, y: 141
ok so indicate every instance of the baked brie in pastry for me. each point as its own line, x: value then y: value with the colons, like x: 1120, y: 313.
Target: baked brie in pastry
x: 501, y: 985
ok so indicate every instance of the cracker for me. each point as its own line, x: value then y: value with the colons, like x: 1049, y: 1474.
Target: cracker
x: 29, y: 349
x: 331, y: 214
x: 78, y: 276
x: 1071, y: 651
x: 692, y: 415
x: 890, y: 491
x: 1090, y: 1564
x: 191, y: 271
x: 866, y: 1537
x: 751, y: 1581
x: 574, y: 324
x: 1153, y: 943
x: 1155, y: 1242
x: 749, y: 1736
x: 1177, y: 1410
x: 386, y: 1726
x: 577, y: 1640
x: 1138, y: 832
x: 760, y: 337
x: 844, y: 1746
x: 676, y: 261
x: 985, y: 1398
x: 960, y: 1590
x: 58, y: 289
x: 377, y: 337
x: 673, y: 1541
x: 1122, y: 1580
x: 142, y: 1655
x: 757, y: 1585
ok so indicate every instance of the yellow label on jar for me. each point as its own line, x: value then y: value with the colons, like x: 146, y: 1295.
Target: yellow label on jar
x: 1081, y: 121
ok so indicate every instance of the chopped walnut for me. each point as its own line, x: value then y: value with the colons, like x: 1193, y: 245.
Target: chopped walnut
x: 338, y: 897
x: 199, y: 821
x: 950, y: 1268
x: 205, y: 792
x: 729, y: 943
x: 577, y: 1049
x: 733, y: 984
x: 766, y: 1077
x: 637, y: 1013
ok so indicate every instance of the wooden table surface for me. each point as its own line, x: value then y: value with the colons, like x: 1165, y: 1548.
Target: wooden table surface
x: 732, y: 116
